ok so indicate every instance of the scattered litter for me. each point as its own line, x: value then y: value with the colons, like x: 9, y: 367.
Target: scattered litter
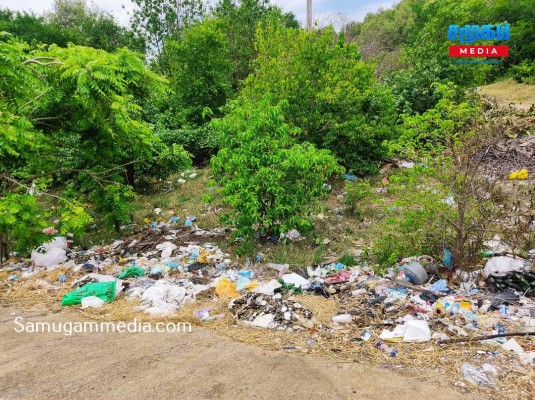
x: 102, y: 290
x: 520, y: 175
x: 483, y: 376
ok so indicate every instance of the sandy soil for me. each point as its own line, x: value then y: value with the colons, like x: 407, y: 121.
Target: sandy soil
x: 197, y: 365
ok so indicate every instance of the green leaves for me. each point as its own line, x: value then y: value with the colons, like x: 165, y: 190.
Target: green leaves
x: 330, y: 94
x: 200, y: 72
x: 269, y: 181
x: 426, y: 136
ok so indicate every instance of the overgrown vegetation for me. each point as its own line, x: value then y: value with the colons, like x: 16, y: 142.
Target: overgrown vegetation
x: 93, y: 113
x: 269, y: 181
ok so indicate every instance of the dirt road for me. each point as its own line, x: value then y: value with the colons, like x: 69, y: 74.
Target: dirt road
x: 197, y: 365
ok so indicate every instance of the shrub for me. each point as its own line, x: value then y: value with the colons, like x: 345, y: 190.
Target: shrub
x: 524, y: 72
x: 200, y: 142
x: 269, y: 181
x: 328, y: 91
x: 355, y: 191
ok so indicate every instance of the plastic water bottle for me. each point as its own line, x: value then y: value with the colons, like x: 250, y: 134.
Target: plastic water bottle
x: 386, y: 349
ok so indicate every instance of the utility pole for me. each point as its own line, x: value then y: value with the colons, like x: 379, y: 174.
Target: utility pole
x: 309, y: 15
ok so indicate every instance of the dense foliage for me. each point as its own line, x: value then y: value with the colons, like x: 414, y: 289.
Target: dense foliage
x: 330, y: 93
x: 92, y: 112
x: 70, y: 116
x: 409, y: 43
x: 71, y: 21
x: 269, y: 181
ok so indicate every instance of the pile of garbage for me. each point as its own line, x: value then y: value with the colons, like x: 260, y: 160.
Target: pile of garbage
x: 163, y: 268
x: 271, y: 312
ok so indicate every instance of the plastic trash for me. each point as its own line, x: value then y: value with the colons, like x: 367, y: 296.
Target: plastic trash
x: 479, y: 376
x: 51, y: 257
x: 62, y: 278
x: 343, y: 318
x: 171, y: 264
x: 358, y: 292
x: 265, y: 321
x: 204, y: 315
x: 225, y: 288
x: 520, y: 174
x: 189, y: 221
x: 447, y: 258
x: 50, y: 231
x: 100, y: 278
x: 350, y: 177
x: 297, y: 280
x: 156, y: 271
x: 417, y: 331
x: 339, y: 277
x: 162, y: 298
x: 386, y: 349
x: 92, y: 302
x: 102, y: 290
x: 246, y: 274
x: 242, y: 283
x: 439, y: 286
x: 318, y: 288
x: 415, y: 272
x: 293, y: 234
x: 166, y: 248
x: 268, y: 288
x: 406, y: 164
x: 131, y: 272
x: 501, y: 266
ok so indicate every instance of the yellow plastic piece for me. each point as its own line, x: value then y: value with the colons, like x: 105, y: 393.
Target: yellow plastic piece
x: 521, y: 174
x: 225, y: 288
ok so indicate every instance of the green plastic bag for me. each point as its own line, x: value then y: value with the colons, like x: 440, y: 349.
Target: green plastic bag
x: 131, y: 272
x: 102, y: 290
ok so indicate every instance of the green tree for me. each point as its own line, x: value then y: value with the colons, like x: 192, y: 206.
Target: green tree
x: 329, y: 92
x: 200, y: 73
x: 32, y: 28
x: 159, y: 20
x: 240, y: 19
x: 88, y: 25
x: 450, y: 139
x: 71, y: 116
x: 268, y: 180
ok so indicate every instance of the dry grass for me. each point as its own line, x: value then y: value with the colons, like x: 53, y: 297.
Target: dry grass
x: 428, y: 361
x: 184, y: 199
x: 509, y: 91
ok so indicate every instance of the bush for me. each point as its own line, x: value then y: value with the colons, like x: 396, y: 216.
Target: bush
x: 269, y: 181
x: 414, y: 223
x: 328, y: 91
x: 200, y: 142
x: 524, y: 72
x: 355, y: 191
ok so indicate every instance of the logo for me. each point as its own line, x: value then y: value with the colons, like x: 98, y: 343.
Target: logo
x: 471, y: 33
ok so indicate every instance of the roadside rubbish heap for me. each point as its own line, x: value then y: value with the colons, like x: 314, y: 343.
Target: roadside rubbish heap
x: 165, y: 267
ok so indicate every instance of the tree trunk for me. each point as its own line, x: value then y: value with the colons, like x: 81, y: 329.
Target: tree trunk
x: 130, y: 174
x: 458, y: 253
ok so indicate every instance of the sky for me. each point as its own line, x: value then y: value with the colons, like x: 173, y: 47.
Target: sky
x: 325, y: 11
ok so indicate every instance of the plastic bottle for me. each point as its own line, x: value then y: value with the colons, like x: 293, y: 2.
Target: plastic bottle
x: 386, y: 349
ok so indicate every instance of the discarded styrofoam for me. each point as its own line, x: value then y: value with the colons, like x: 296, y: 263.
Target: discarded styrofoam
x: 501, y: 266
x: 92, y: 302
